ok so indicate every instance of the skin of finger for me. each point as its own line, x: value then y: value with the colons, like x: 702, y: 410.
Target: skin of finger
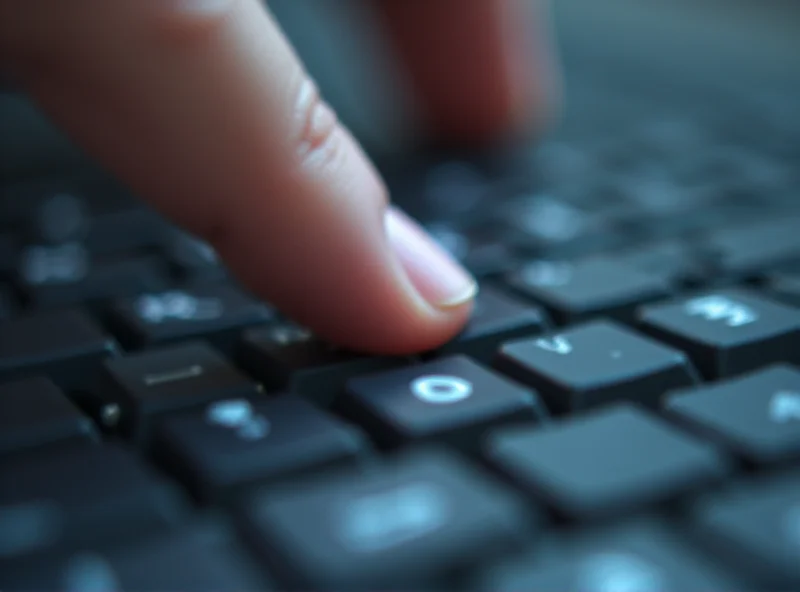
x: 198, y: 112
x: 481, y: 69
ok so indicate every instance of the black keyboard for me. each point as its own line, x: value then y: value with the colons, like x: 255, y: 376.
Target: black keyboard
x: 621, y: 413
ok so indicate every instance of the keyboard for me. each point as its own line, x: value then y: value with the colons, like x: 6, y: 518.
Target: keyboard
x: 622, y: 412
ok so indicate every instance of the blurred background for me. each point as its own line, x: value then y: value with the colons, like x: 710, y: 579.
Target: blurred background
x: 618, y: 56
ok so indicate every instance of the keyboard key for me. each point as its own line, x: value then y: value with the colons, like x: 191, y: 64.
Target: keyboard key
x: 496, y: 318
x: 192, y: 560
x: 215, y: 311
x: 757, y: 415
x: 452, y: 399
x: 676, y: 261
x: 756, y: 528
x: 573, y: 292
x: 753, y: 247
x: 614, y: 460
x: 402, y: 526
x: 727, y: 332
x: 785, y: 287
x: 286, y: 357
x: 65, y: 275
x: 34, y: 412
x: 235, y: 442
x: 643, y: 557
x: 79, y: 495
x: 125, y: 229
x: 138, y: 387
x: 193, y: 260
x: 66, y: 346
x: 593, y: 364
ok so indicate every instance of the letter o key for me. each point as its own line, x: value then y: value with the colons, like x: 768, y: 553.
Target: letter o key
x: 441, y: 390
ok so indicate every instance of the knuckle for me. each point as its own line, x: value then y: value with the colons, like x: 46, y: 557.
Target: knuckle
x: 317, y: 133
x: 190, y: 21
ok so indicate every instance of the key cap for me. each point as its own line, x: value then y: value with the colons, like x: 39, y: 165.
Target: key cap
x: 66, y: 346
x: 496, y: 318
x: 216, y: 312
x: 452, y: 400
x: 79, y: 495
x: 65, y: 275
x: 785, y: 287
x: 644, y: 556
x: 756, y: 528
x: 190, y: 560
x: 676, y: 261
x: 124, y: 229
x: 35, y: 412
x: 756, y: 415
x: 595, y: 363
x: 573, y: 292
x: 285, y: 357
x: 613, y: 460
x: 727, y: 332
x: 139, y: 387
x: 235, y: 443
x: 194, y: 261
x: 402, y: 526
x: 753, y: 247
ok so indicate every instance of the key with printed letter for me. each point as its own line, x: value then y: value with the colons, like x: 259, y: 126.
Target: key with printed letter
x: 403, y: 526
x: 235, y: 443
x: 609, y: 461
x: 756, y: 527
x: 595, y: 363
x: 216, y: 312
x: 757, y: 415
x: 639, y: 557
x: 140, y: 386
x: 289, y: 358
x: 727, y: 332
x: 66, y: 346
x: 496, y: 318
x: 34, y: 412
x: 573, y: 292
x: 79, y: 495
x: 453, y: 400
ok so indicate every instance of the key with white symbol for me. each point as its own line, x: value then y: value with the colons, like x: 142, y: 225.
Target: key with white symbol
x: 642, y: 557
x: 756, y: 415
x: 139, y: 387
x: 450, y: 400
x: 594, y: 363
x: 233, y: 444
x: 405, y: 525
x: 216, y: 312
x: 728, y: 332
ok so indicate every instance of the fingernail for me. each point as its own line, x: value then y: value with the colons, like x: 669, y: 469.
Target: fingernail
x: 437, y: 277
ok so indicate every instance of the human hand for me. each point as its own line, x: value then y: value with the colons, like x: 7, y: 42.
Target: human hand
x: 203, y: 109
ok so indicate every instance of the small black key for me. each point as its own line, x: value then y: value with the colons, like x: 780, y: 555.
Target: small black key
x: 66, y: 346
x: 594, y: 363
x: 674, y: 260
x: 610, y: 461
x: 119, y: 230
x: 496, y: 318
x: 402, y: 526
x: 576, y: 291
x: 727, y: 332
x: 79, y: 495
x: 289, y: 358
x: 237, y: 442
x: 65, y: 275
x: 192, y: 560
x: 452, y: 399
x: 758, y: 415
x: 35, y: 412
x: 756, y: 527
x: 751, y: 248
x: 138, y: 387
x: 785, y: 287
x: 214, y: 311
x: 640, y: 557
x: 193, y: 260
